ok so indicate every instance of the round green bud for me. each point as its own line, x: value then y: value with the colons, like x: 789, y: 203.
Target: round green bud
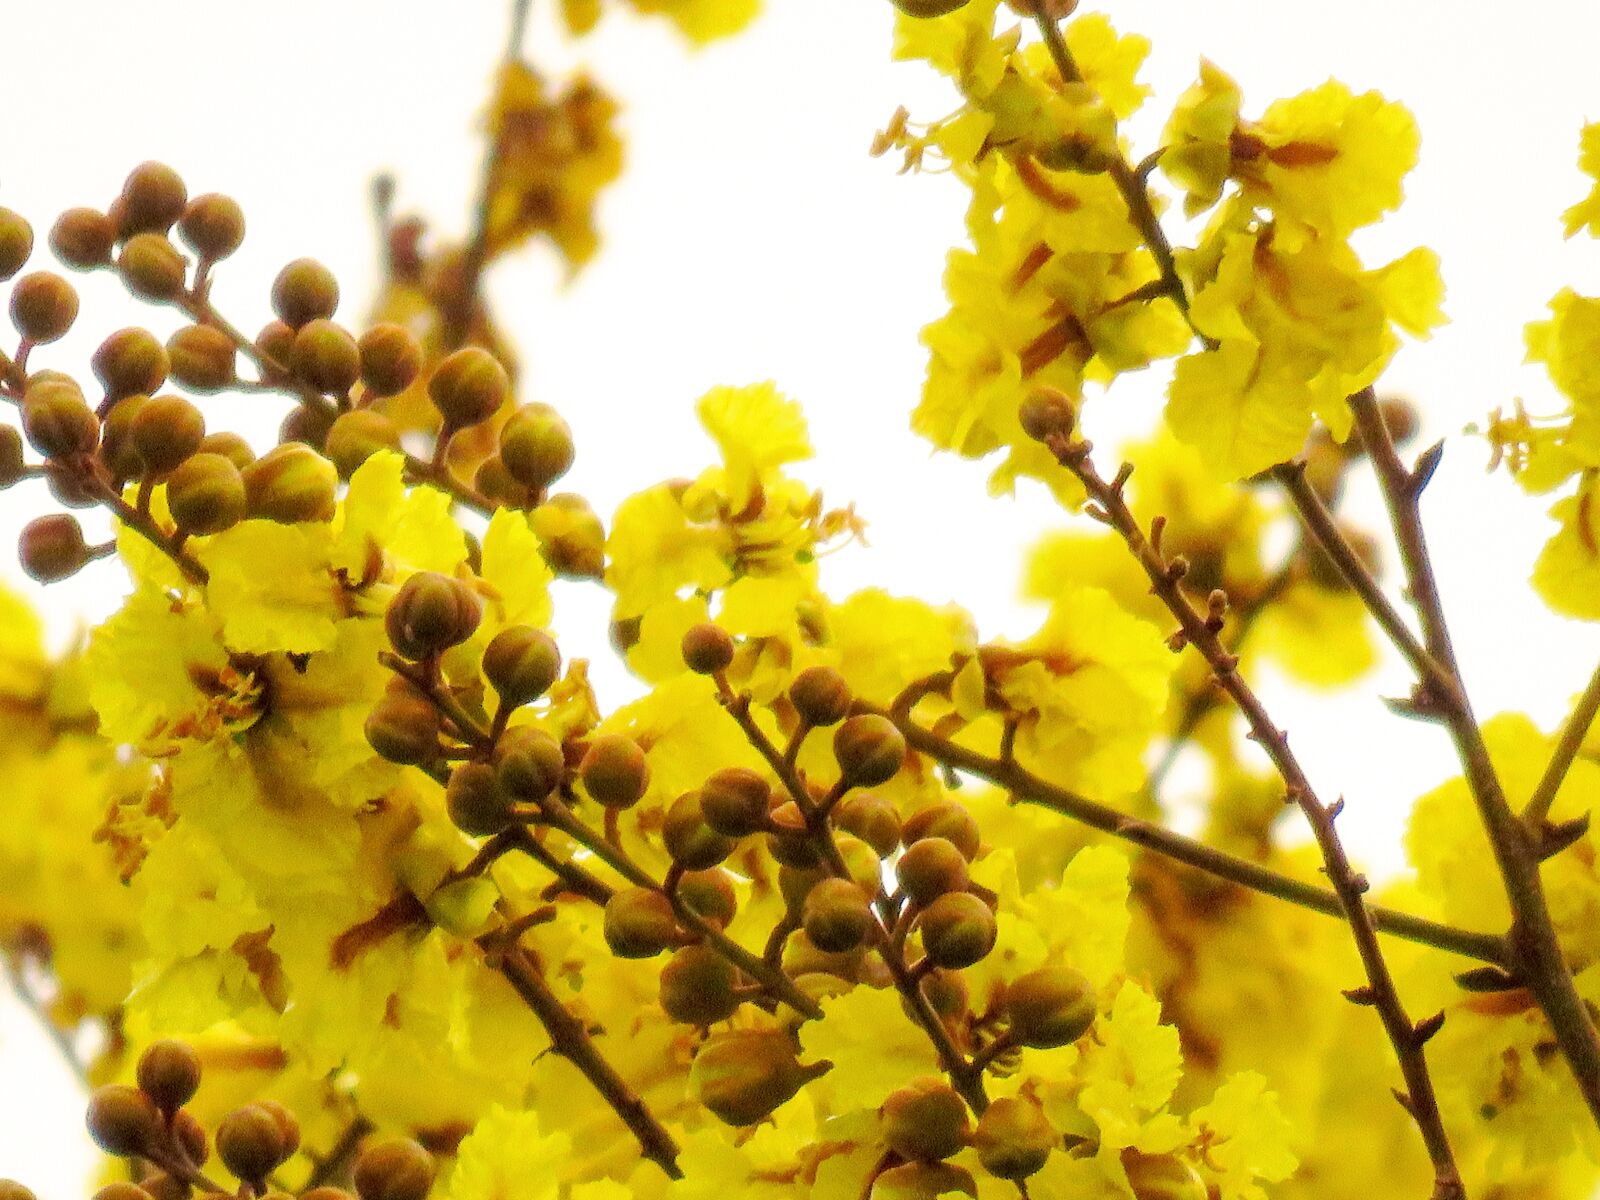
x: 821, y: 696
x: 288, y: 1125
x: 304, y: 291
x: 153, y: 197
x: 640, y: 923
x: 536, y: 446
x: 742, y: 1075
x: 735, y: 802
x: 202, y: 358
x: 213, y: 226
x: 165, y: 431
x: 13, y: 467
x: 291, y: 483
x: 397, y: 1170
x: 947, y: 993
x: 123, y: 1121
x: 469, y: 387
x: 869, y: 750
x: 871, y: 818
x: 699, y: 986
x: 494, y: 483
x: 1047, y: 413
x: 571, y: 536
x: 326, y: 356
x: 958, y: 930
x: 309, y: 425
x: 16, y: 242
x: 169, y: 1073
x: 250, y: 1142
x: 521, y: 664
x: 790, y: 842
x: 391, y: 359
x: 151, y: 267
x: 230, y: 445
x: 52, y: 548
x: 131, y: 362
x: 116, y: 441
x: 83, y: 238
x: 275, y: 343
x: 530, y: 763
x: 431, y: 613
x: 795, y: 884
x: 707, y: 648
x: 57, y: 420
x: 1053, y: 1006
x: 43, y: 306
x: 692, y: 843
x: 710, y: 895
x: 477, y: 804
x: 947, y: 820
x: 837, y: 916
x: 1014, y: 1138
x: 928, y: 8
x: 404, y: 728
x: 356, y: 436
x: 614, y: 771
x: 930, y: 868
x: 925, y: 1121
x: 1162, y: 1177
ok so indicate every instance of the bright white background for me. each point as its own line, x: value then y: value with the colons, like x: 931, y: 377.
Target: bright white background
x: 752, y: 237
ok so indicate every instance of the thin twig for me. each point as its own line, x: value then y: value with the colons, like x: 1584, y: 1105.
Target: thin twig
x: 58, y: 1037
x: 333, y: 1165
x: 1537, y: 811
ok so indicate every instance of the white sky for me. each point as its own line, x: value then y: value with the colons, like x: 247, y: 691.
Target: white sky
x: 752, y: 237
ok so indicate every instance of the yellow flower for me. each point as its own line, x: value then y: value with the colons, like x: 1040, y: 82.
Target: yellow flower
x: 507, y: 1156
x: 757, y: 430
x: 1586, y: 213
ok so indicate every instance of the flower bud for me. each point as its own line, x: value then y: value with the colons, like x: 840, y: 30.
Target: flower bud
x: 213, y: 226
x: 404, y: 728
x: 947, y: 993
x: 82, y: 238
x: 837, y: 916
x: 494, y: 483
x: 795, y: 884
x: 230, y: 445
x: 821, y: 696
x: 791, y: 843
x: 43, y: 306
x: 1047, y: 413
x: 1162, y: 1177
x: 13, y: 467
x: 530, y: 763
x: 615, y: 772
x: 709, y: 895
x: 169, y: 1073
x: 1401, y: 417
x: 925, y: 1121
x: 571, y: 536
x: 131, y: 362
x: 1053, y: 1006
x: 468, y: 387
x: 165, y: 431
x: 1014, y: 1138
x: 871, y: 818
x: 707, y: 648
x: 275, y: 342
x: 698, y: 986
x: 947, y: 820
x: 919, y: 1180
x: 304, y: 291
x: 477, y: 804
x: 120, y: 1189
x: 153, y: 197
x: 536, y: 446
x: 123, y: 1121
x: 326, y: 356
x: 958, y: 930
x: 735, y: 802
x: 521, y: 664
x: 692, y: 843
x: 56, y: 419
x: 116, y: 440
x: 16, y: 242
x: 930, y: 868
x: 429, y: 614
x: 202, y: 358
x: 291, y: 483
x: 308, y: 425
x: 869, y: 750
x: 251, y: 1143
x: 929, y: 8
x: 151, y: 267
x: 391, y: 359
x: 191, y: 1136
x: 356, y: 436
x: 397, y: 1170
x: 640, y: 923
x: 861, y: 862
x: 742, y: 1075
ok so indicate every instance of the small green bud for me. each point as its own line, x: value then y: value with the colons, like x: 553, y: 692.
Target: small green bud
x: 202, y: 358
x: 13, y: 467
x: 707, y: 648
x: 304, y: 291
x: 356, y: 436
x: 43, y: 306
x: 123, y: 1121
x: 16, y: 242
x: 640, y: 923
x: 291, y: 483
x: 571, y: 536
x: 153, y: 197
x: 213, y: 226
x: 83, y: 238
x: 692, y: 843
x: 821, y: 696
x: 151, y: 268
x: 930, y: 868
x: 958, y: 930
x: 494, y: 483
x: 275, y: 342
x: 391, y: 359
x: 57, y: 420
x: 871, y: 818
x: 431, y: 613
x: 614, y: 771
x: 169, y: 1073
x: 521, y: 664
x: 742, y: 1075
x: 869, y: 750
x: 477, y: 804
x: 709, y: 894
x: 530, y: 763
x: 837, y: 916
x: 404, y: 728
x: 699, y: 986
x: 230, y: 445
x: 536, y: 446
x: 116, y: 441
x: 251, y: 1142
x: 947, y: 820
x: 131, y: 362
x: 1047, y: 413
x: 735, y: 802
x: 397, y: 1170
x: 925, y: 1121
x: 1014, y: 1138
x: 791, y: 843
x: 469, y: 387
x: 1053, y: 1006
x: 326, y: 356
x: 165, y: 431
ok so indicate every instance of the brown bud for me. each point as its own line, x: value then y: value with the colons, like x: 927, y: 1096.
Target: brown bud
x: 791, y: 843
x: 698, y: 986
x: 429, y: 614
x: 230, y: 445
x: 43, y: 306
x: 494, y: 483
x: 309, y: 425
x: 795, y: 883
x: 742, y: 1075
x: 958, y: 930
x: 82, y: 238
x: 837, y: 916
x: 202, y: 358
x: 116, y: 441
x: 735, y: 802
x: 1014, y: 1138
x: 165, y: 431
x: 947, y: 994
x: 191, y: 1136
x: 639, y: 923
x: 692, y: 843
x: 1162, y: 1177
x: 477, y: 803
x: 871, y: 818
x: 291, y: 483
x: 151, y: 267
x: 326, y: 356
x: 869, y: 750
x: 153, y: 197
x: 530, y: 763
x: 16, y: 242
x: 13, y: 467
x: 305, y: 290
x: 821, y: 696
x: 10, y: 1189
x: 1401, y: 417
x: 1053, y: 1006
x: 251, y: 1142
x: 536, y: 446
x: 404, y: 728
x: 391, y: 359
x: 123, y: 1121
x: 521, y: 664
x: 469, y: 387
x: 1047, y: 413
x: 925, y: 1121
x: 120, y: 1189
x: 169, y: 1073
x: 707, y: 648
x: 356, y: 436
x: 615, y: 771
x: 275, y: 343
x: 930, y: 868
x: 947, y: 820
x: 397, y: 1170
x: 710, y: 895
x: 58, y: 422
x: 213, y: 226
x: 131, y: 362
x: 571, y: 536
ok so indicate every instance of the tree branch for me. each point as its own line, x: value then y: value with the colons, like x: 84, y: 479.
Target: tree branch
x: 1572, y: 735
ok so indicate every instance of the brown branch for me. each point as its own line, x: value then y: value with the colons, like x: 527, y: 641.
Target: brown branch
x: 333, y: 1166
x: 1537, y: 811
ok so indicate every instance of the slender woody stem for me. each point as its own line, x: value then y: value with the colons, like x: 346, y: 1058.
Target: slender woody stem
x: 1573, y: 733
